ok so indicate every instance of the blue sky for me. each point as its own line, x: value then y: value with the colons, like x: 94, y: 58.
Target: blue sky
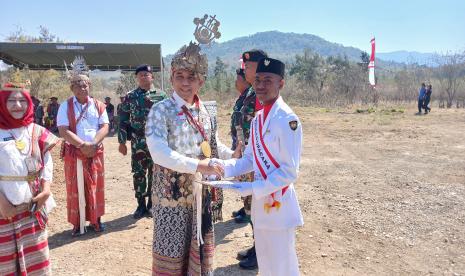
x: 413, y: 25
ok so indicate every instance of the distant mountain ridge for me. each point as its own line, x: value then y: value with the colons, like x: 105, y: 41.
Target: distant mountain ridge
x: 286, y: 46
x: 277, y: 44
x: 280, y: 45
x: 408, y: 57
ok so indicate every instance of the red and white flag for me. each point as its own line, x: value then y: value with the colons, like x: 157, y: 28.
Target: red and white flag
x: 371, y: 65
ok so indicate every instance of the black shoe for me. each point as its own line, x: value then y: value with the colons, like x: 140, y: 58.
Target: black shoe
x: 249, y: 263
x: 99, y: 227
x: 244, y: 254
x: 141, y: 209
x: 76, y: 232
x: 238, y: 212
x: 242, y: 219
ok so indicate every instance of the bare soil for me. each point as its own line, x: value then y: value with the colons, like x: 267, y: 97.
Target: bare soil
x: 382, y: 193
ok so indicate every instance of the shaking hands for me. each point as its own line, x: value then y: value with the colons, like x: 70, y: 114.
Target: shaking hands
x: 211, y: 167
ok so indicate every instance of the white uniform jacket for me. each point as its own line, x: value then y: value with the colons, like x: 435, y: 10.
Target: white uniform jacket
x: 273, y: 153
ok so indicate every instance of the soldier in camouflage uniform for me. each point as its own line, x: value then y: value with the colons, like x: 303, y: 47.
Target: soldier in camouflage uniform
x: 132, y: 118
x: 243, y: 113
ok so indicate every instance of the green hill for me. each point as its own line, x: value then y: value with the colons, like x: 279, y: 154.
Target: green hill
x: 277, y: 44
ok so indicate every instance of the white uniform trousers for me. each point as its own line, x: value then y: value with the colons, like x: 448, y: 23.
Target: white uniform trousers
x: 276, y: 254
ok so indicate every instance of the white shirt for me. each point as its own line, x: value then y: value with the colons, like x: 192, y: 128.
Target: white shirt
x: 285, y: 145
x: 169, y: 158
x: 88, y: 126
x: 13, y: 163
x: 224, y: 152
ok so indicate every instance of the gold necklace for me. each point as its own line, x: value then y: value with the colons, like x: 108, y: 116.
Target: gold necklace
x: 19, y: 142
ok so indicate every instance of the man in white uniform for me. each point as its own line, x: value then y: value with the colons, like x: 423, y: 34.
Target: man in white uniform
x: 273, y: 153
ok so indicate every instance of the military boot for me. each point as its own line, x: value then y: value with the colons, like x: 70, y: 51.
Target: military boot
x: 141, y: 208
x: 250, y: 262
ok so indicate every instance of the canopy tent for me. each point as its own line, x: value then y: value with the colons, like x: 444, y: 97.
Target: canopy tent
x: 102, y: 56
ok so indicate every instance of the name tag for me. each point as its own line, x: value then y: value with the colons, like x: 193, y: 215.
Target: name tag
x: 8, y: 139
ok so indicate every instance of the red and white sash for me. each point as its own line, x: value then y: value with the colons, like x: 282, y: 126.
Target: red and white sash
x: 266, y: 163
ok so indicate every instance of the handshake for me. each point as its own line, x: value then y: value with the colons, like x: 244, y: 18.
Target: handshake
x: 214, y: 168
x: 211, y: 167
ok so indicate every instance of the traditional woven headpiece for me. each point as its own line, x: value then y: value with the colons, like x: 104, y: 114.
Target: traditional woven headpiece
x: 190, y: 58
x: 79, y: 70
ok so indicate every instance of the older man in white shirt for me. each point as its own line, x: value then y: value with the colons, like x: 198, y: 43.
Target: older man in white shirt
x: 83, y: 123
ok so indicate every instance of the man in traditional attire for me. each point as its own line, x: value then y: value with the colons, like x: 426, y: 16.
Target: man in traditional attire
x: 132, y: 116
x: 83, y: 123
x: 26, y: 172
x: 273, y: 153
x: 180, y: 131
x: 244, y: 111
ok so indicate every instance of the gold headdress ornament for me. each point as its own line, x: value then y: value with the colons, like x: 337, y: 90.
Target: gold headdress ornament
x: 189, y: 57
x: 79, y: 70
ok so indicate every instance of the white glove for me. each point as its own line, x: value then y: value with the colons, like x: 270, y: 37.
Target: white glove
x: 243, y: 188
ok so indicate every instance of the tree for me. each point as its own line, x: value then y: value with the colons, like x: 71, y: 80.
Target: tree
x: 46, y: 83
x: 127, y: 82
x: 450, y: 73
x: 365, y: 60
x: 311, y: 70
x: 219, y: 73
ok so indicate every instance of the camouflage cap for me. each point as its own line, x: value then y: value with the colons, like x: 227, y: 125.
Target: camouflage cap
x: 189, y: 58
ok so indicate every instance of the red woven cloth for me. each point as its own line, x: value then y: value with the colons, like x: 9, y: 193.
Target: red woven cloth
x: 94, y: 177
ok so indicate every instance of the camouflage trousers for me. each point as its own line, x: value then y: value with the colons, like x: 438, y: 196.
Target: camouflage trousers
x: 142, y: 168
x: 248, y: 199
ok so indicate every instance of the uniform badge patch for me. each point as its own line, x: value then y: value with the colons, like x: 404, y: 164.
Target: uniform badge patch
x: 293, y: 125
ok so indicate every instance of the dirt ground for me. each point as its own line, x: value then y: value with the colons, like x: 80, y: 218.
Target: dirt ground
x: 381, y: 193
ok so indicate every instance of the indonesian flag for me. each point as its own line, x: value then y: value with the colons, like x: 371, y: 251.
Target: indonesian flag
x: 371, y: 65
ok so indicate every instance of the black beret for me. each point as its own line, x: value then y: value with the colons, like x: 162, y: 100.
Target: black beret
x: 144, y: 67
x: 240, y: 72
x: 270, y: 65
x: 253, y: 55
